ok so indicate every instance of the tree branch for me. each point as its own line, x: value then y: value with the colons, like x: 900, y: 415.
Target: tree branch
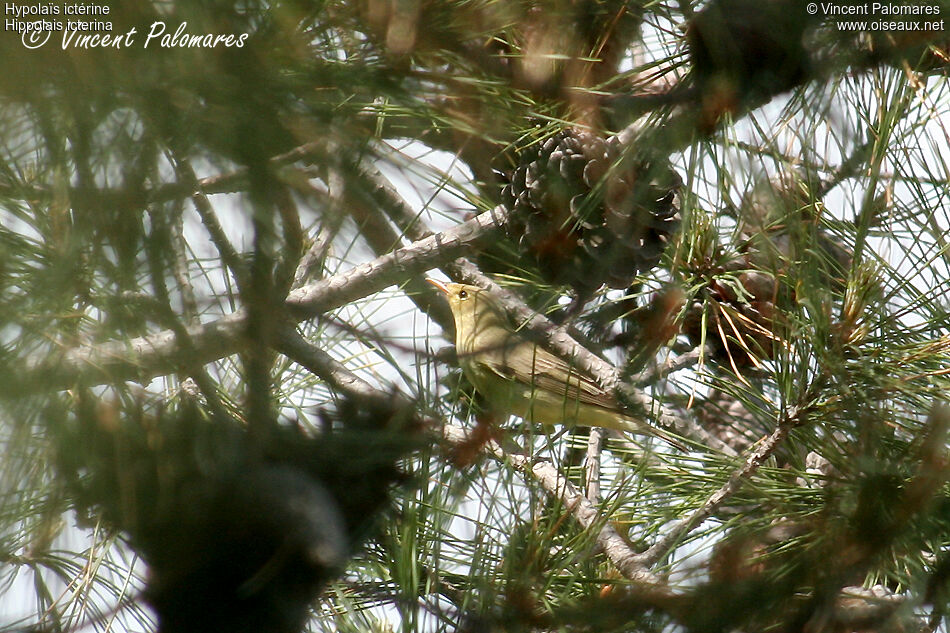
x: 592, y: 464
x: 318, y: 362
x: 143, y: 358
x: 584, y: 511
x: 556, y: 484
x: 752, y: 464
x: 229, y: 256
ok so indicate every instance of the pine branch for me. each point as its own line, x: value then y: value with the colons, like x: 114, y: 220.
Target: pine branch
x: 752, y: 464
x: 143, y: 358
x: 227, y: 252
x: 370, y: 199
x: 671, y: 366
x: 556, y: 484
x: 552, y: 480
x: 306, y: 354
x: 595, y: 441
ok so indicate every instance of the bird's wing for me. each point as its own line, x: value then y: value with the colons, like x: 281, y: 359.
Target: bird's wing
x: 551, y: 374
x: 554, y: 375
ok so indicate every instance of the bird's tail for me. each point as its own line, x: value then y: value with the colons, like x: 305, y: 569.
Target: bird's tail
x: 638, y: 427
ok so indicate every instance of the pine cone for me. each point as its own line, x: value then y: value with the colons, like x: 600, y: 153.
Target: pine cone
x: 583, y: 223
x: 748, y: 291
x: 743, y: 324
x: 736, y: 300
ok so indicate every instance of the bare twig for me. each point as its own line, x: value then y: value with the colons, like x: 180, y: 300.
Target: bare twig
x: 388, y: 199
x: 162, y: 239
x: 209, y: 219
x: 306, y: 354
x: 595, y: 442
x: 179, y: 264
x: 291, y: 249
x: 370, y: 200
x: 311, y: 263
x: 671, y: 366
x: 393, y: 267
x: 235, y: 181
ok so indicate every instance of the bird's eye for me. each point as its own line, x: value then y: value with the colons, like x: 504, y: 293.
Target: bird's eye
x: 463, y: 294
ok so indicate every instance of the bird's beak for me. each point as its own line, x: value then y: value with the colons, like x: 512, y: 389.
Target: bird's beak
x: 438, y: 284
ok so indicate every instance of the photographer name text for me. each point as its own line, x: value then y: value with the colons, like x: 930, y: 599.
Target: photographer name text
x: 877, y: 8
x: 87, y: 26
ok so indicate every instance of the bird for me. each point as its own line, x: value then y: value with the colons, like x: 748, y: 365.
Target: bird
x: 516, y: 376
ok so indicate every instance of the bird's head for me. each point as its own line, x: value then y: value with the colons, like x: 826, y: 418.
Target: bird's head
x: 474, y: 311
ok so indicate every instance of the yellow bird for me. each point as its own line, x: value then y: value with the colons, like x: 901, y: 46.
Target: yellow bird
x: 517, y: 376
